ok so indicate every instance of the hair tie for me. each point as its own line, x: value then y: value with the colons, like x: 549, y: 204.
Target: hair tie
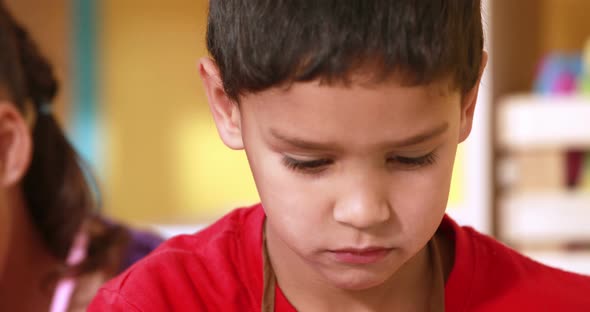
x: 45, y: 109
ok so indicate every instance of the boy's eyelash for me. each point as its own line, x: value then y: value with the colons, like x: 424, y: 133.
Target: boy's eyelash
x: 421, y: 161
x: 305, y: 165
x: 317, y: 165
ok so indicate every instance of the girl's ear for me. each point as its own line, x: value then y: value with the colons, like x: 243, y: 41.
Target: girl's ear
x: 15, y: 145
x: 226, y: 112
x: 468, y: 103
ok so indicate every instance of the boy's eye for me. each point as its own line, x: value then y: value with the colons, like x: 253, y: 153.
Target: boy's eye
x: 414, y: 162
x: 308, y: 166
x: 318, y: 165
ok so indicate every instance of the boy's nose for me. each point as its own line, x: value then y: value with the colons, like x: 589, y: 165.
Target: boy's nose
x: 362, y: 209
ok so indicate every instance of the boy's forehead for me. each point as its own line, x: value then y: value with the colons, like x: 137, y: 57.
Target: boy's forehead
x: 374, y: 115
x: 417, y: 136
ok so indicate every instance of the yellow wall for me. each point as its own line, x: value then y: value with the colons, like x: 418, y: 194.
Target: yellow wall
x: 163, y: 160
x: 565, y: 25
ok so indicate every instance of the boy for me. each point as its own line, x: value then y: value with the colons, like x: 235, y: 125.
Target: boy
x: 350, y: 113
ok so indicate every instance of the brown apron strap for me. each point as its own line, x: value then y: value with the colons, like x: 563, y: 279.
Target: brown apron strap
x: 437, y: 297
x: 269, y: 280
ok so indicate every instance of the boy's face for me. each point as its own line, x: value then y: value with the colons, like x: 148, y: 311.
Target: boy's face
x: 354, y: 180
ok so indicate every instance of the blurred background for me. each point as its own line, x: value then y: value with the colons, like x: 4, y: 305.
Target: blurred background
x: 133, y: 104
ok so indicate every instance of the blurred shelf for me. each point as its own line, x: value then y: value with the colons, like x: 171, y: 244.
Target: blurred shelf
x: 539, y: 121
x: 546, y: 218
x: 578, y: 262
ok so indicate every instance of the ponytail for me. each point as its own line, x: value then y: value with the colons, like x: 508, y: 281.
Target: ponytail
x: 56, y: 189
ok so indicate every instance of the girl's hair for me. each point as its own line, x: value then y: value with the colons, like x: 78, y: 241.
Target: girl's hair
x: 59, y: 198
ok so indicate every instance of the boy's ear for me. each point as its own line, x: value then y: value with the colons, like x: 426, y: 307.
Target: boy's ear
x: 468, y: 102
x: 15, y: 145
x: 226, y: 112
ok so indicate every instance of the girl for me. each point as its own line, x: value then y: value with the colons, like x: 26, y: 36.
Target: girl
x: 55, y: 251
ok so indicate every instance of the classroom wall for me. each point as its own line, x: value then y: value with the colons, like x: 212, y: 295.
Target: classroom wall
x: 163, y: 160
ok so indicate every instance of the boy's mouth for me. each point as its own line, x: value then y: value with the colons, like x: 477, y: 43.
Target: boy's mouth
x: 360, y: 255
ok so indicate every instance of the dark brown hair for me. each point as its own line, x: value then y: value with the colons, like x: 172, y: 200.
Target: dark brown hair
x: 56, y: 189
x: 259, y: 44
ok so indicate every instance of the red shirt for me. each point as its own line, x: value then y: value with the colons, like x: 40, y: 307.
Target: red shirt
x: 220, y: 269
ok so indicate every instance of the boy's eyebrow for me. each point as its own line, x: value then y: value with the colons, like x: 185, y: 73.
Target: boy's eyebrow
x: 310, y: 145
x: 422, y: 137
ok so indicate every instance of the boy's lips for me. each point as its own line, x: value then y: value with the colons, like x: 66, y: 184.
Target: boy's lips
x: 360, y: 255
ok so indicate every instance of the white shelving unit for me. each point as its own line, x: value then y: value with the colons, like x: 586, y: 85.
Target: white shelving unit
x: 546, y: 220
x: 538, y: 122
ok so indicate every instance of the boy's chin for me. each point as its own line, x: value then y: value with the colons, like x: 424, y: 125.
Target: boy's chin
x: 356, y: 280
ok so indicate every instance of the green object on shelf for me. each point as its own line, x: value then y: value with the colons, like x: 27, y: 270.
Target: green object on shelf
x: 585, y: 84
